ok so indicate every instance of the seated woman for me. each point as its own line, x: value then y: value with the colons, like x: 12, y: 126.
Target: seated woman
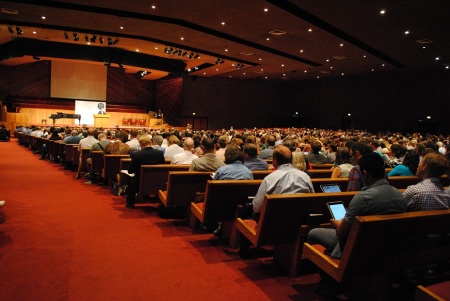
x: 343, y: 164
x: 409, y: 165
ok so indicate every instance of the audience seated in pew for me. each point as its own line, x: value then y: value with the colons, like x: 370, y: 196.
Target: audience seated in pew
x: 209, y: 160
x: 186, y: 156
x: 252, y: 161
x: 234, y: 168
x: 285, y: 179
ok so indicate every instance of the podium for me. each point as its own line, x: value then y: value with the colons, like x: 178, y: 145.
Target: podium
x: 101, y: 120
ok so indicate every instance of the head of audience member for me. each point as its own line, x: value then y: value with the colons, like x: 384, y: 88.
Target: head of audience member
x: 343, y: 156
x: 145, y: 141
x: 208, y: 145
x: 433, y: 165
x: 250, y: 139
x: 119, y: 136
x: 298, y: 161
x: 90, y: 132
x: 316, y: 146
x: 358, y: 150
x: 173, y: 140
x: 398, y: 151
x: 250, y: 151
x: 281, y: 155
x: 188, y: 144
x: 134, y: 133
x: 74, y: 133
x: 333, y: 147
x: 222, y: 141
x: 372, y: 168
x: 411, y: 160
x: 157, y: 139
x: 290, y: 143
x: 270, y: 140
x: 375, y: 144
x: 233, y: 153
x: 101, y: 136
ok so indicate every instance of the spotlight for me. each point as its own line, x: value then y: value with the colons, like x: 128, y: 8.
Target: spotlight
x: 101, y: 40
x: 191, y: 55
x: 170, y: 50
x: 94, y: 38
x: 11, y: 31
x: 121, y: 66
x: 217, y: 61
x: 197, y: 56
x: 86, y: 38
x: 76, y: 38
x: 116, y: 40
x: 222, y: 61
x: 184, y: 53
x: 142, y: 74
x: 110, y: 41
x: 66, y: 36
x: 166, y: 49
x: 19, y: 31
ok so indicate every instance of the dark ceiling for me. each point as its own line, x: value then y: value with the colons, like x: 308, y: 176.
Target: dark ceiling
x: 290, y: 40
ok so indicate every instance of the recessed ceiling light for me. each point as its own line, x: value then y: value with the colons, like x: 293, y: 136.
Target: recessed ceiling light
x: 446, y: 67
x: 406, y: 31
x: 282, y: 65
x: 424, y: 47
x: 437, y: 58
x: 121, y: 27
x: 137, y: 50
x: 226, y: 49
x: 364, y: 55
x: 89, y: 43
x: 318, y: 76
x: 382, y: 12
x: 331, y: 67
x: 266, y: 9
x: 310, y: 29
x: 260, y: 59
x: 204, y: 73
x: 342, y: 74
x: 182, y: 38
x: 328, y: 60
x: 268, y: 39
x: 246, y: 53
x: 382, y: 65
x: 301, y: 50
x: 156, y: 48
x: 43, y: 17
x: 342, y: 44
x: 277, y: 32
x: 305, y: 71
x: 243, y: 73
x: 372, y: 70
x: 265, y: 77
x: 262, y: 70
x: 34, y: 32
x: 223, y: 23
x: 153, y: 7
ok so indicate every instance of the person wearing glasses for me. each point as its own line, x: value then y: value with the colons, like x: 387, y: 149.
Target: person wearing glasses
x: 357, y: 150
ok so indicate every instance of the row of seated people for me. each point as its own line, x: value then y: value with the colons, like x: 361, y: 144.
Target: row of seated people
x: 287, y: 179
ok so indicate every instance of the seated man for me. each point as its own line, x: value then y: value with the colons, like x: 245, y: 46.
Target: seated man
x: 99, y: 146
x: 429, y: 194
x: 146, y: 156
x: 234, y: 169
x: 357, y: 150
x: 284, y: 180
x: 376, y: 197
x: 173, y: 147
x: 186, y: 156
x: 209, y: 161
x: 316, y: 156
x: 251, y: 160
x: 267, y: 153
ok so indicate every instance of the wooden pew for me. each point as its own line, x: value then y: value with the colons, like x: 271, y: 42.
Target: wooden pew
x: 123, y: 165
x: 69, y: 150
x: 260, y: 174
x: 380, y: 245
x: 154, y: 178
x: 111, y: 167
x: 320, y: 173
x: 316, y: 166
x: 97, y: 162
x: 82, y: 166
x: 283, y: 221
x: 220, y: 202
x: 182, y: 186
x: 436, y: 292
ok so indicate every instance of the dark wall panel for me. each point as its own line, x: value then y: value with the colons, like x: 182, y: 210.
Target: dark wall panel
x: 126, y: 88
x: 32, y: 79
x: 168, y: 96
x: 229, y: 102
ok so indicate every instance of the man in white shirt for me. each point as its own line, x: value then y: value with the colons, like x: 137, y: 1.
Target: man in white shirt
x: 173, y: 147
x: 88, y: 141
x: 186, y: 156
x: 134, y: 143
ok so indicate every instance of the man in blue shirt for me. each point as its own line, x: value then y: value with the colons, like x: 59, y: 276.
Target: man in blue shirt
x: 251, y: 160
x: 234, y: 169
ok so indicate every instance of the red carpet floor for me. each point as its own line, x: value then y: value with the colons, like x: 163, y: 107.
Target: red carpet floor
x: 64, y: 240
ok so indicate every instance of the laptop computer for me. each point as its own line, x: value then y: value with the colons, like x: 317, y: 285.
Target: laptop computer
x: 337, y: 210
x: 330, y: 188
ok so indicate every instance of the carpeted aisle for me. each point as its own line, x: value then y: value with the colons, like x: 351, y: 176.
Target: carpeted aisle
x: 64, y: 240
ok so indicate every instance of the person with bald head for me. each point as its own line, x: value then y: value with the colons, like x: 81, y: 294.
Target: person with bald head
x: 187, y: 155
x: 285, y: 179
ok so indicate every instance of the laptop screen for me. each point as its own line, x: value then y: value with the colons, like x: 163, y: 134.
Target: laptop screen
x: 330, y: 188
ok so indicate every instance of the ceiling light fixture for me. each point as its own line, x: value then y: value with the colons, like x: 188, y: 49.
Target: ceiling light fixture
x: 66, y: 36
x: 197, y: 56
x: 76, y: 38
x: 110, y: 41
x: 100, y: 40
x: 94, y: 38
x: 19, y: 31
x: 11, y: 31
x: 86, y: 38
